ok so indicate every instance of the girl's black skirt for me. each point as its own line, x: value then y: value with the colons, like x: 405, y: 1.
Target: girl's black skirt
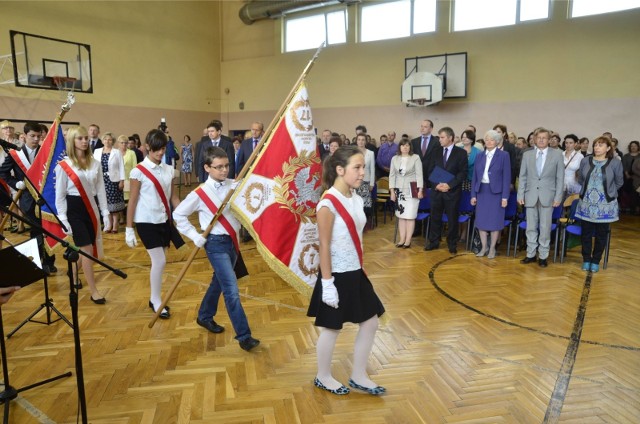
x: 80, y: 221
x: 153, y: 235
x: 358, y: 302
x: 158, y: 235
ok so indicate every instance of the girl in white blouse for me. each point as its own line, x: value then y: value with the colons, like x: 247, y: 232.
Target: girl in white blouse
x: 343, y: 292
x: 78, y: 183
x: 147, y: 208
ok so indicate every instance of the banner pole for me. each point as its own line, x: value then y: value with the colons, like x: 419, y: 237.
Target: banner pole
x: 241, y: 175
x: 12, y: 208
x: 63, y: 110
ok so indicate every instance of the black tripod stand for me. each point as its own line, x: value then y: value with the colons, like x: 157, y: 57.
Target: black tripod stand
x: 22, y: 272
x: 47, y: 305
x: 48, y: 302
x: 72, y: 255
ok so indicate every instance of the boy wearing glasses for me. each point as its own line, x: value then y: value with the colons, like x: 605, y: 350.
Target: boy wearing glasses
x: 221, y: 245
x: 13, y: 170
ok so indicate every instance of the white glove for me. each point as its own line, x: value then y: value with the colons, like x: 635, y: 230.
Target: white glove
x: 329, y: 292
x: 130, y: 237
x: 66, y: 224
x: 20, y: 185
x: 199, y: 241
x: 105, y: 222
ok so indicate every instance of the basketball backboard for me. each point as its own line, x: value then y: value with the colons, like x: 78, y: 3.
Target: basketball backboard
x: 50, y: 63
x: 451, y: 68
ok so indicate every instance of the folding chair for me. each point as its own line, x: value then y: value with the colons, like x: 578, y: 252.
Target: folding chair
x: 555, y: 223
x: 573, y: 226
x: 383, y: 197
x: 465, y: 214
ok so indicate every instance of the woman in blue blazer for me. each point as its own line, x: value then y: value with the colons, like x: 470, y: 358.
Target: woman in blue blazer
x: 490, y: 185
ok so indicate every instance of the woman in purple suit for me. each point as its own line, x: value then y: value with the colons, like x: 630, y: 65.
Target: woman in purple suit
x: 490, y: 186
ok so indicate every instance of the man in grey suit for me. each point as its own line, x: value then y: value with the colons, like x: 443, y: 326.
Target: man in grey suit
x: 540, y: 190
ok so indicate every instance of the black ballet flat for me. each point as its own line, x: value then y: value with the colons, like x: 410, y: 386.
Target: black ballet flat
x: 375, y: 391
x: 406, y: 246
x: 399, y: 245
x: 98, y: 301
x: 164, y: 314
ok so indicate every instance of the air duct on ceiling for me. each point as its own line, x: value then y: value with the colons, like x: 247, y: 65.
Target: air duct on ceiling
x: 257, y: 10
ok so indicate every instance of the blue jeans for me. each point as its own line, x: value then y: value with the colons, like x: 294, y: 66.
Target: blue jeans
x: 222, y: 255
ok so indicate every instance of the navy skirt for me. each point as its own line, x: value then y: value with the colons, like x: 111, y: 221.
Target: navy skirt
x: 489, y: 212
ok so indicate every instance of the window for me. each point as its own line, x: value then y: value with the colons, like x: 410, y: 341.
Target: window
x: 424, y: 16
x: 534, y: 9
x: 473, y: 14
x: 310, y: 31
x: 590, y: 7
x: 397, y: 19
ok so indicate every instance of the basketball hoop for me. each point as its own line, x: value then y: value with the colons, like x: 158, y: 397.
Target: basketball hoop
x: 417, y: 102
x: 67, y: 84
x: 64, y: 83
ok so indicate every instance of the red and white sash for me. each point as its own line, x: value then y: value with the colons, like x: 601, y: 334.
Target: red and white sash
x: 212, y: 202
x: 174, y: 235
x: 351, y: 225
x: 20, y: 158
x: 89, y: 203
x: 158, y: 186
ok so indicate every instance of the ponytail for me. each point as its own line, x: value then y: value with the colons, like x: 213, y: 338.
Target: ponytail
x: 341, y: 158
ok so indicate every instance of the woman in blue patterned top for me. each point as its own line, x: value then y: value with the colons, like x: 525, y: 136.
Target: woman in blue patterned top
x: 601, y: 177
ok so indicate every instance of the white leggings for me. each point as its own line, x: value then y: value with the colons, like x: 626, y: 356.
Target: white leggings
x: 158, y: 262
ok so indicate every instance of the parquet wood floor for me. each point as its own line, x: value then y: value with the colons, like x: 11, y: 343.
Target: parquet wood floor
x: 466, y: 340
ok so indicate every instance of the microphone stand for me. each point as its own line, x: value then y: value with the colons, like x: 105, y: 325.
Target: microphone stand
x: 72, y: 255
x: 48, y: 302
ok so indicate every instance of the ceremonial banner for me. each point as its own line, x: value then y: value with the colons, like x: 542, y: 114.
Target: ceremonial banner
x: 277, y: 201
x: 42, y: 174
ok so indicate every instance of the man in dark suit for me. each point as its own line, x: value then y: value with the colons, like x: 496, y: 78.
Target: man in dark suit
x: 248, y: 146
x: 214, y: 137
x: 324, y: 144
x: 12, y: 172
x: 540, y: 189
x: 424, y: 146
x: 445, y: 196
x: 94, y: 137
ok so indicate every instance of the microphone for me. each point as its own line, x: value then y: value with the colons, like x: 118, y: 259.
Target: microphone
x: 8, y: 145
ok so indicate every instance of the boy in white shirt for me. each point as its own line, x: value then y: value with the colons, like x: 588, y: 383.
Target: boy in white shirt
x: 221, y: 246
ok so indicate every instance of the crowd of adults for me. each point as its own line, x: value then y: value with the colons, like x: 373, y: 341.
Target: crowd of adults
x: 479, y: 170
x: 490, y: 169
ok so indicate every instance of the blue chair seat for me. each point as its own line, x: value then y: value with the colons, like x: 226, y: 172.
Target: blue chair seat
x: 574, y: 228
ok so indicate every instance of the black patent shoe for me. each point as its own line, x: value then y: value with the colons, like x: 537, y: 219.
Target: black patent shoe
x: 165, y: 314
x: 342, y: 390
